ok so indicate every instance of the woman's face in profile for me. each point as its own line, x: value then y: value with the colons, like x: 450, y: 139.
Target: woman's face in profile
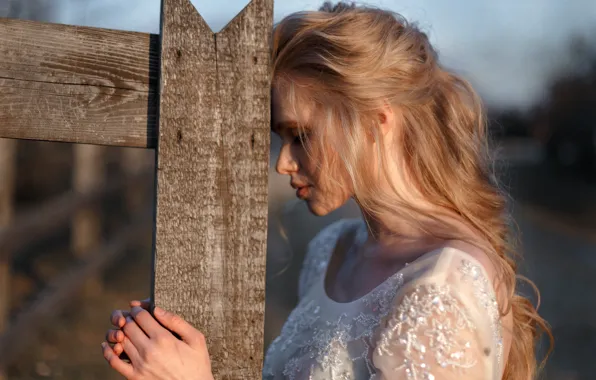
x: 300, y: 159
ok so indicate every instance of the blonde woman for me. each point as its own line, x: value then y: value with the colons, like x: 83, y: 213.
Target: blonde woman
x: 423, y: 287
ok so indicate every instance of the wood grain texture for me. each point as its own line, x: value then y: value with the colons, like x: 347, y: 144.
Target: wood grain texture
x: 212, y: 166
x: 78, y: 84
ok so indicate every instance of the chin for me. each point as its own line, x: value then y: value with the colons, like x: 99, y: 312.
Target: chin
x: 321, y: 209
x: 317, y: 210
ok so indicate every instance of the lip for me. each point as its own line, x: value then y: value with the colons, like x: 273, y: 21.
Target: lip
x: 302, y: 192
x: 302, y: 189
x: 296, y: 185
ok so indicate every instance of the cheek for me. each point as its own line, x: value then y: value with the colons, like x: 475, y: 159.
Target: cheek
x: 308, y: 162
x: 330, y: 193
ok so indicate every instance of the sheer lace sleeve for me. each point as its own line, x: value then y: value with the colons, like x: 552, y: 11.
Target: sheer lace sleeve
x: 443, y: 326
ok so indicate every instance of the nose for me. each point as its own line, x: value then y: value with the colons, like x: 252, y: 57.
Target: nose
x: 286, y: 162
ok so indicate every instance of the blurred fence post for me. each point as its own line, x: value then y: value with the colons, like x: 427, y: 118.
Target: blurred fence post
x: 88, y: 174
x: 7, y: 184
x: 135, y: 161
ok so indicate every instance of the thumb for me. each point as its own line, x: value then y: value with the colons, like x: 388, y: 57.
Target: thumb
x: 177, y: 325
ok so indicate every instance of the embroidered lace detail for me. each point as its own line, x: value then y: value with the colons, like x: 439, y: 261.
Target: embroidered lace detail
x: 485, y: 296
x: 330, y: 341
x: 426, y: 329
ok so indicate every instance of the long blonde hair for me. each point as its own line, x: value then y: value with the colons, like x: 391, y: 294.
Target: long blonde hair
x: 346, y: 60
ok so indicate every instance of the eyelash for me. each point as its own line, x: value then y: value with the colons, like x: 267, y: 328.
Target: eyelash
x: 299, y: 139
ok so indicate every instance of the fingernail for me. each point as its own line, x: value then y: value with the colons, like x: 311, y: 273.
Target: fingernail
x: 159, y: 311
x: 103, y: 344
x: 129, y: 319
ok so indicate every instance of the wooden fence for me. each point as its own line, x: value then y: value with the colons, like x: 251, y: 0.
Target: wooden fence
x: 208, y: 96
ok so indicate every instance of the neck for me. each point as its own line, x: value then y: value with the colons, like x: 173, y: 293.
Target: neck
x: 393, y: 236
x: 396, y: 238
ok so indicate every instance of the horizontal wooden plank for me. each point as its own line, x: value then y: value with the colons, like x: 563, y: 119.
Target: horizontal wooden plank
x: 78, y: 84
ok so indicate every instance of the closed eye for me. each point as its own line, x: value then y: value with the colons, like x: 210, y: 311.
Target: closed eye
x: 300, y: 138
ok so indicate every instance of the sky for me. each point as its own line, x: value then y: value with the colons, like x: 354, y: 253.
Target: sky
x: 507, y: 48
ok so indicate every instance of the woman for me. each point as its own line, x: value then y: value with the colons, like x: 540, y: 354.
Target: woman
x: 423, y: 287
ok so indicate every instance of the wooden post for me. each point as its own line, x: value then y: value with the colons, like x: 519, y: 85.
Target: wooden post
x: 212, y: 166
x: 86, y: 228
x: 7, y: 174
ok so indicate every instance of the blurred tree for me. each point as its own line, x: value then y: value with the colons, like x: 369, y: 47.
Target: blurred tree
x: 566, y: 121
x: 509, y: 122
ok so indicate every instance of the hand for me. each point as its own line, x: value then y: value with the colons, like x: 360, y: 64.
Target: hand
x: 118, y: 319
x: 154, y: 352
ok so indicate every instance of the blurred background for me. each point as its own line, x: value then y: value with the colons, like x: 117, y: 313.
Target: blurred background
x: 75, y: 241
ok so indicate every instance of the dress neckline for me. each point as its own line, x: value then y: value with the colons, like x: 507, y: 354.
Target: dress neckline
x: 362, y: 233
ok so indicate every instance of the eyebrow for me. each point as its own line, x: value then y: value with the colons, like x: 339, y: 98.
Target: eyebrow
x: 277, y: 127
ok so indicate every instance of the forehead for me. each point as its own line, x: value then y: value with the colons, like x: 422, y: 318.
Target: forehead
x: 289, y: 108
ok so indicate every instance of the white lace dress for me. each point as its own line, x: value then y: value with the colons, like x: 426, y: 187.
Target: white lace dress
x: 436, y: 319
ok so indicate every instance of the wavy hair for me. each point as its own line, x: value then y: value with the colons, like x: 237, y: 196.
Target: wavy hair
x: 345, y: 61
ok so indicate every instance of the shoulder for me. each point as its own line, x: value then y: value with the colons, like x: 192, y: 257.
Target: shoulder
x: 445, y: 319
x: 464, y: 273
x: 320, y: 248
x: 454, y: 263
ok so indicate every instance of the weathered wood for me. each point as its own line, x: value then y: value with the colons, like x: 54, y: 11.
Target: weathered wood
x: 63, y: 290
x: 7, y: 179
x: 213, y: 155
x: 78, y: 84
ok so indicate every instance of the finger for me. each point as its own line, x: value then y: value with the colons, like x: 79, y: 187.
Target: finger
x: 115, y: 336
x: 134, y: 333
x: 118, y: 318
x: 118, y: 348
x: 115, y: 362
x: 131, y: 351
x: 145, y: 304
x: 146, y: 321
x: 185, y: 330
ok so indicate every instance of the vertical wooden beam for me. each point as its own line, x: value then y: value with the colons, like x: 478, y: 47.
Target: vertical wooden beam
x: 212, y: 165
x: 88, y: 174
x: 7, y: 179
